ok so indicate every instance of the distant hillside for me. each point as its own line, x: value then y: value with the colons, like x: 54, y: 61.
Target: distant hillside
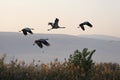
x: 101, y: 37
x: 20, y: 46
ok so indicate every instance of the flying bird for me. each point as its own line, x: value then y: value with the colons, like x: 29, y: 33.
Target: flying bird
x: 54, y: 25
x: 82, y: 25
x: 40, y: 42
x: 27, y: 30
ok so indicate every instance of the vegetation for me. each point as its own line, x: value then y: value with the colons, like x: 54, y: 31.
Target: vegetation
x: 79, y: 66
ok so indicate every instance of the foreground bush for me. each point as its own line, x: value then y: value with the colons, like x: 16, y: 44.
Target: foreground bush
x: 84, y: 63
x: 75, y: 68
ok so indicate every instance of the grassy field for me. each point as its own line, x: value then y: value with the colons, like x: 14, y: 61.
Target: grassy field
x: 75, y: 68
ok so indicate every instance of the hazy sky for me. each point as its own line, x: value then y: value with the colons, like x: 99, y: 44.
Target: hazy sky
x: 103, y: 14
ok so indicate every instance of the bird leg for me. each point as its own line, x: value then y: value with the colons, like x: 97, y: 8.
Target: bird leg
x: 62, y: 27
x: 49, y: 29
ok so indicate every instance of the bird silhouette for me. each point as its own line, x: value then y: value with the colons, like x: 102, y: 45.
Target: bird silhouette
x: 40, y: 42
x: 27, y: 30
x: 82, y: 25
x: 54, y: 25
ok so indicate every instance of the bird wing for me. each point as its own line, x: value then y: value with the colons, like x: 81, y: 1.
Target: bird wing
x: 89, y: 24
x: 45, y: 43
x: 56, y: 22
x: 40, y: 44
x: 30, y: 32
x: 24, y: 32
x: 82, y: 26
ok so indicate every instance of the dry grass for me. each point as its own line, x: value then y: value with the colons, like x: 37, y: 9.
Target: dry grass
x: 16, y: 70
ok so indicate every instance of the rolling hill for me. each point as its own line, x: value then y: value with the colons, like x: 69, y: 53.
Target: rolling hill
x: 20, y: 46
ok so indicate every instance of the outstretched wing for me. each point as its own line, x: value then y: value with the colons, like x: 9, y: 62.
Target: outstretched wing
x: 56, y: 22
x: 82, y: 26
x: 45, y: 43
x: 89, y: 24
x: 40, y: 44
x: 24, y: 32
x: 30, y: 32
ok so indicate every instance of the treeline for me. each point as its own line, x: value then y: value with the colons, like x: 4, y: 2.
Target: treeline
x: 79, y: 66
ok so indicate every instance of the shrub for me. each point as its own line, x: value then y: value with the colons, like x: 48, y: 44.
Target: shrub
x: 83, y: 61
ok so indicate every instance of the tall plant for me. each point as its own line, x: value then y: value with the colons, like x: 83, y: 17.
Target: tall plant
x: 83, y: 61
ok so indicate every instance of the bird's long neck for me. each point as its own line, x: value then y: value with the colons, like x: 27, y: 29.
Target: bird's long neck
x: 50, y: 24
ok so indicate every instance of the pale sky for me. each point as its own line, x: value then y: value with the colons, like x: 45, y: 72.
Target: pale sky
x: 103, y: 14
